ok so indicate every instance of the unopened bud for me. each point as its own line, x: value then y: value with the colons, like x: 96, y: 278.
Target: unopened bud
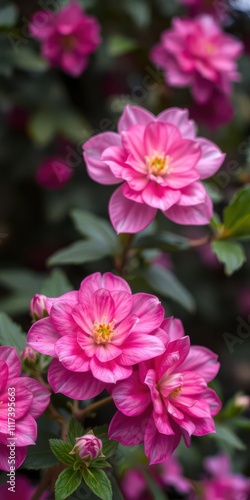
x: 38, y: 307
x: 88, y: 447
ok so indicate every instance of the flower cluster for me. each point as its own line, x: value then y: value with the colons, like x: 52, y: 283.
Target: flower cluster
x: 161, y: 163
x: 68, y: 37
x: 105, y: 337
x: 198, y: 54
x: 27, y: 398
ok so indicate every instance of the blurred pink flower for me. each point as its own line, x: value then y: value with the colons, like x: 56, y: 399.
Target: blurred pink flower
x: 243, y: 301
x: 161, y: 162
x: 165, y: 474
x: 167, y: 397
x: 30, y: 400
x: 197, y: 53
x: 68, y: 37
x: 217, y: 8
x: 216, y: 112
x: 97, y: 334
x: 53, y: 173
x: 223, y: 483
x: 24, y: 490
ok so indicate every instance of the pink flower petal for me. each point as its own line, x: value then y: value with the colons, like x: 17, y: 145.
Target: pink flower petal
x: 41, y: 397
x: 130, y: 396
x: 211, y: 398
x: 61, y: 317
x: 157, y: 196
x: 194, y: 194
x: 123, y: 303
x: 140, y: 347
x: 4, y: 370
x: 114, y: 283
x: 160, y: 137
x: 179, y: 118
x: 159, y: 447
x: 195, y: 215
x: 134, y: 115
x: 129, y: 431
x: 71, y: 355
x: 110, y: 371
x: 202, y: 361
x: 78, y: 386
x: 102, y: 306
x: 149, y: 310
x: 173, y: 327
x: 97, y: 169
x: 42, y: 337
x: 124, y: 329
x: 9, y: 356
x: 211, y: 158
x: 128, y: 216
x: 20, y: 455
x: 133, y: 143
x: 107, y: 352
x: 26, y: 431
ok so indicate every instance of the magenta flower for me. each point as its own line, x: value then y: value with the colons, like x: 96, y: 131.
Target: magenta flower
x: 224, y: 484
x: 96, y: 335
x: 161, y: 162
x: 23, y: 489
x: 53, y: 173
x: 167, y: 397
x: 68, y: 37
x: 216, y: 112
x: 197, y: 53
x: 28, y: 399
x: 88, y: 448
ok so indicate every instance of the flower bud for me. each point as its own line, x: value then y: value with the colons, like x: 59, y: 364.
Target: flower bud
x: 88, y: 447
x: 29, y: 355
x: 38, y: 307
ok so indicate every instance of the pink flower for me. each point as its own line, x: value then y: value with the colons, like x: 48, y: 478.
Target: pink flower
x: 53, y: 173
x: 28, y: 398
x: 23, y: 489
x: 88, y: 447
x: 38, y: 306
x: 166, y: 474
x: 161, y: 162
x: 68, y: 37
x: 96, y: 335
x: 198, y: 54
x: 167, y: 397
x: 224, y: 484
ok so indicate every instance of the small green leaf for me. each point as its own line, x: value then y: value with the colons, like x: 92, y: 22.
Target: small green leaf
x: 236, y: 214
x: 10, y: 333
x: 28, y: 60
x: 165, y: 241
x: 225, y: 434
x: 100, y: 463
x: 242, y: 423
x: 165, y: 282
x: 67, y: 483
x: 95, y: 228
x: 56, y: 284
x: 61, y: 450
x: 40, y: 456
x: 79, y: 253
x: 118, y: 45
x: 75, y: 430
x: 230, y: 253
x: 98, y: 482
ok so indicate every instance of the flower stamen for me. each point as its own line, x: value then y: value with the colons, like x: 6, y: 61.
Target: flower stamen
x: 158, y: 163
x: 103, y: 332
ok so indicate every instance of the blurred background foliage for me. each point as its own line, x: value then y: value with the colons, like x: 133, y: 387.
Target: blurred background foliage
x: 46, y: 113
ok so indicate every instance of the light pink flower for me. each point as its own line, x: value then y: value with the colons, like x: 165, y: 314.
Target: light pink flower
x: 167, y: 397
x: 68, y: 37
x: 96, y: 335
x: 197, y: 53
x: 53, y: 173
x: 38, y: 306
x: 166, y: 474
x: 161, y: 162
x: 88, y: 447
x: 223, y: 483
x: 30, y: 399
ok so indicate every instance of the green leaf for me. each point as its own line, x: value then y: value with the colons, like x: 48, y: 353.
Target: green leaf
x: 98, y: 482
x: 8, y: 15
x: 100, y: 463
x: 166, y: 241
x: 29, y: 60
x: 230, y: 253
x: 10, y: 333
x: 153, y: 487
x: 75, y: 430
x: 79, y: 253
x: 118, y: 45
x: 242, y: 423
x: 56, y: 284
x: 43, y: 126
x: 225, y: 434
x: 236, y: 214
x: 22, y: 280
x: 67, y: 483
x: 165, y: 282
x: 40, y: 456
x: 61, y: 450
x: 95, y: 228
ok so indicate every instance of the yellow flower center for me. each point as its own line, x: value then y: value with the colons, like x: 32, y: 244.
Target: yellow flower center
x: 176, y: 392
x: 158, y: 163
x: 103, y: 332
x: 210, y: 48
